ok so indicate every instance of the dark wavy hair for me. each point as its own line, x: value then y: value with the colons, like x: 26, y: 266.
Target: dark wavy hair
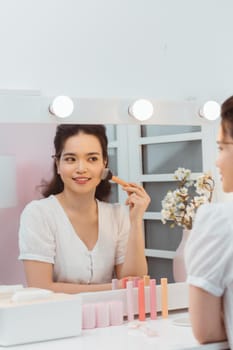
x: 227, y: 117
x: 63, y: 132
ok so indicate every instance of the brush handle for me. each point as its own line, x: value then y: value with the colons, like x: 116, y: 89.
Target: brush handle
x: 119, y: 181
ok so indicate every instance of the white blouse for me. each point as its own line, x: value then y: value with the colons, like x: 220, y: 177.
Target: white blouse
x: 46, y: 234
x: 209, y: 256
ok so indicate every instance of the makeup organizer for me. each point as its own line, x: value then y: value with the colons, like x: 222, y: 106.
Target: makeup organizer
x: 108, y: 308
x: 30, y: 315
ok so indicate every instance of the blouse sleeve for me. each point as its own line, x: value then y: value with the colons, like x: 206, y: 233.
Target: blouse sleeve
x: 123, y: 233
x: 209, y: 252
x: 36, y: 240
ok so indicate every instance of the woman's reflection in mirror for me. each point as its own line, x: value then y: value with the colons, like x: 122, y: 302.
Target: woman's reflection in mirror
x: 72, y: 240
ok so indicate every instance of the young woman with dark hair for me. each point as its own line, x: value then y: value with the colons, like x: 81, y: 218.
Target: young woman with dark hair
x: 72, y: 240
x: 209, y: 251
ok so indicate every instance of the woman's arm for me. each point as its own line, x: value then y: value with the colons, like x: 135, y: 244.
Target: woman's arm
x: 135, y: 261
x: 206, y: 316
x: 40, y: 275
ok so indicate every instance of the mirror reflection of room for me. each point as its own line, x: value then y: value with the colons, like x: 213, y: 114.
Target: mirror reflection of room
x: 149, y: 157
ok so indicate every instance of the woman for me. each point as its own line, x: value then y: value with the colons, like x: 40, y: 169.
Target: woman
x: 209, y: 251
x: 72, y: 241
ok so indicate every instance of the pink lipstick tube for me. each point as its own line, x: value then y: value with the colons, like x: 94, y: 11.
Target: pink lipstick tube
x: 153, y: 306
x: 114, y: 283
x: 129, y: 298
x: 88, y: 319
x: 116, y: 312
x: 135, y: 281
x: 102, y: 314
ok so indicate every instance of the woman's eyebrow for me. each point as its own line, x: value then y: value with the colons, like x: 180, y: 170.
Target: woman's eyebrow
x: 75, y: 154
x: 93, y: 153
x: 68, y: 154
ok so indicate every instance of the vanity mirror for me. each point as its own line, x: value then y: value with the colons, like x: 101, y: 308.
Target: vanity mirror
x: 148, y: 154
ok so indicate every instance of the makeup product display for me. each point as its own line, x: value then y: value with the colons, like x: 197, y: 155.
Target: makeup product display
x: 107, y: 175
x: 102, y: 314
x: 136, y: 302
x: 30, y: 315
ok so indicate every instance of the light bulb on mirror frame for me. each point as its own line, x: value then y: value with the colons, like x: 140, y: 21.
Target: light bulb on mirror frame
x: 210, y: 110
x: 62, y: 106
x: 141, y: 109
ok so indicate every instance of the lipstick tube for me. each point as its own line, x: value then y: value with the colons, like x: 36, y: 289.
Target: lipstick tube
x: 153, y: 306
x: 141, y: 301
x: 146, y: 280
x: 114, y: 283
x: 124, y: 281
x: 129, y: 298
x: 164, y: 295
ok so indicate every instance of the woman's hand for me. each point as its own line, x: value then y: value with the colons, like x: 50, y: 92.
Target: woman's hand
x: 138, y: 200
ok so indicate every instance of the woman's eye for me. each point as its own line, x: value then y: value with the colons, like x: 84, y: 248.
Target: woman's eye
x: 69, y: 159
x: 93, y: 159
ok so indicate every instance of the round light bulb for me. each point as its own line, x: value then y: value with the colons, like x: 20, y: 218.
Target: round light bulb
x: 141, y: 109
x: 210, y: 110
x: 62, y: 106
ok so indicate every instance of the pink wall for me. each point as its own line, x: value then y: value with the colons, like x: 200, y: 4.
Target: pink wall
x: 32, y: 145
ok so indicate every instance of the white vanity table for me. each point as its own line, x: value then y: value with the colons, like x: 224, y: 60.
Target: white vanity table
x: 169, y: 337
x: 170, y: 333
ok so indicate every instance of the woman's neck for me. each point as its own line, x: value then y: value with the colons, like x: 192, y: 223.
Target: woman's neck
x: 82, y: 203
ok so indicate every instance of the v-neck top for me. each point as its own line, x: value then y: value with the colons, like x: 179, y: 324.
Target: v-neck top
x: 47, y: 235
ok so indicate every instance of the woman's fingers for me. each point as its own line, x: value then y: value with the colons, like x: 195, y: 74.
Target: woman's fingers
x: 137, y: 196
x: 134, y: 188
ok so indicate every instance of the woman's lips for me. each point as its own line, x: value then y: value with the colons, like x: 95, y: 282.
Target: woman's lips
x: 81, y: 180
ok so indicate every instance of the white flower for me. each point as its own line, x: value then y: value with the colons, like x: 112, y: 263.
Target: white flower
x: 178, y: 205
x: 182, y: 174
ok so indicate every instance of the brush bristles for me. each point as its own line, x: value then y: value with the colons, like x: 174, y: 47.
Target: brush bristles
x: 106, y: 174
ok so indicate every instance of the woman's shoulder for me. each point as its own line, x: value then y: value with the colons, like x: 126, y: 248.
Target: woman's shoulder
x: 213, y: 217
x: 39, y: 205
x: 215, y: 210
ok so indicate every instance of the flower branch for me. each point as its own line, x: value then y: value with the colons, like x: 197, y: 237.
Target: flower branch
x: 179, y: 205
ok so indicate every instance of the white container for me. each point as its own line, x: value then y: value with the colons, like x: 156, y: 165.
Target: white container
x: 51, y: 316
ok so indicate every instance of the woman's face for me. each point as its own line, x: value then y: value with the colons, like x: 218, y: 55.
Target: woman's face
x: 81, y: 163
x: 225, y: 160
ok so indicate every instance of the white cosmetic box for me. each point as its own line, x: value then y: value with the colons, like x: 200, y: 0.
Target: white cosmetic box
x: 29, y: 315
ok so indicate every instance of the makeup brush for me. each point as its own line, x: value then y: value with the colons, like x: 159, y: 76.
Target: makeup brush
x: 107, y: 175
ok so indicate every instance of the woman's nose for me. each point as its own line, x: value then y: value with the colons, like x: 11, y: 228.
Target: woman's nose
x: 81, y: 167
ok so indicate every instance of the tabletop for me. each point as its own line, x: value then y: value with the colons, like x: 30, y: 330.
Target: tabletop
x: 172, y: 333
